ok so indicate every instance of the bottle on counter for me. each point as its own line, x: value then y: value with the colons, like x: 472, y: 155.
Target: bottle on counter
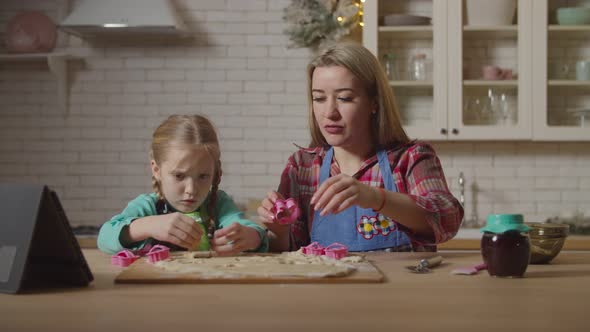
x: 505, y: 245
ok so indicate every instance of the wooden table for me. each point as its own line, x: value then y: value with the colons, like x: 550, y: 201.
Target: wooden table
x: 553, y: 297
x: 573, y: 242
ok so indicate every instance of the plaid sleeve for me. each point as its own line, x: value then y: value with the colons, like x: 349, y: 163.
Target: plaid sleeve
x: 428, y: 188
x: 290, y: 187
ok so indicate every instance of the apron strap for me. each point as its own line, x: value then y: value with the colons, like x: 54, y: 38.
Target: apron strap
x: 326, y: 165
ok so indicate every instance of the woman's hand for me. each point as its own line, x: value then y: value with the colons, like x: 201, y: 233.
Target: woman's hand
x: 234, y: 239
x: 342, y: 191
x: 175, y: 228
x: 279, y: 239
x: 267, y: 215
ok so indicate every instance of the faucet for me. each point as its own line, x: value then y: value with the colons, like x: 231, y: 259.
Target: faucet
x: 473, y: 221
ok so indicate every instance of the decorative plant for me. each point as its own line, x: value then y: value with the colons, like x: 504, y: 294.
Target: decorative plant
x: 314, y: 23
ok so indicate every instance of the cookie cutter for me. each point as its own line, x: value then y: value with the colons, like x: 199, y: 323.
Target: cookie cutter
x: 154, y: 254
x: 124, y: 258
x: 314, y: 248
x: 286, y: 211
x: 336, y: 250
x: 158, y: 253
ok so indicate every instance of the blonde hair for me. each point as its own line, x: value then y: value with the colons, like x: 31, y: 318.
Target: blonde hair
x: 190, y: 130
x: 386, y: 123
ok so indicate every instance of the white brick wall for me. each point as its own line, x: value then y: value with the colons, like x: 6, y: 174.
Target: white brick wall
x: 238, y: 72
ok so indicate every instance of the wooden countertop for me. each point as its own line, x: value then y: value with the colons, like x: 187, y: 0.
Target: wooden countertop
x: 551, y: 297
x: 573, y: 242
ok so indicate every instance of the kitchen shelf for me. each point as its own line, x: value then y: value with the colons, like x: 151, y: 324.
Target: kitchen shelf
x: 493, y: 83
x: 501, y: 31
x: 571, y: 83
x: 410, y: 84
x: 409, y: 32
x: 568, y: 28
x: 57, y: 63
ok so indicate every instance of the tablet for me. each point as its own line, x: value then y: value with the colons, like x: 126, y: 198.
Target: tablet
x: 37, y: 246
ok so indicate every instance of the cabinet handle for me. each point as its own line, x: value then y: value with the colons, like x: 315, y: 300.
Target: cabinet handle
x: 443, y: 131
x: 455, y: 131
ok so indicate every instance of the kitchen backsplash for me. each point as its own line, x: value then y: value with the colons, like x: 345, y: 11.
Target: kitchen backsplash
x: 238, y: 71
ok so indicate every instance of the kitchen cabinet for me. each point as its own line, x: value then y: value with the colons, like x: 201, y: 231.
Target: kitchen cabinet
x: 422, y: 104
x: 57, y: 64
x: 455, y: 102
x: 564, y: 115
x: 489, y: 109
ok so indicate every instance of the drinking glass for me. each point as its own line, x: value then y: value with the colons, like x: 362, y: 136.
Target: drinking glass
x: 472, y: 110
x: 507, y: 109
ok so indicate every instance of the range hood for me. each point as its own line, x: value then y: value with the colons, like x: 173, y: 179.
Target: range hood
x: 109, y: 17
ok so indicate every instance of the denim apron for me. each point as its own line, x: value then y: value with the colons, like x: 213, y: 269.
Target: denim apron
x: 357, y: 228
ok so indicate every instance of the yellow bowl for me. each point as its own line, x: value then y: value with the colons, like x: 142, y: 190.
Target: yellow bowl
x: 547, y: 240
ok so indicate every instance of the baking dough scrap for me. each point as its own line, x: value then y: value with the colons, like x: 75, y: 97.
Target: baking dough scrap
x: 286, y: 264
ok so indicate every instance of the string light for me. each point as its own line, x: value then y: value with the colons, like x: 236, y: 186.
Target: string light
x: 360, y: 12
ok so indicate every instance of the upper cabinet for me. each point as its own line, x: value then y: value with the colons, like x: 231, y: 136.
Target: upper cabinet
x: 413, y: 49
x: 561, y: 76
x: 489, y: 70
x: 478, y: 69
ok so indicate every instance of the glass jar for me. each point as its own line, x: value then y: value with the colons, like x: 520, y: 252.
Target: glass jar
x: 418, y: 68
x: 390, y: 65
x: 505, y: 245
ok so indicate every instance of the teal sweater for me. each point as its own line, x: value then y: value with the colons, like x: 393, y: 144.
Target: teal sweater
x: 145, y: 205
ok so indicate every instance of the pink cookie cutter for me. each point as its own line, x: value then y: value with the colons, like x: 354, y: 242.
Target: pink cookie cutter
x: 124, y: 258
x: 336, y: 250
x: 158, y: 253
x: 286, y: 211
x: 314, y: 248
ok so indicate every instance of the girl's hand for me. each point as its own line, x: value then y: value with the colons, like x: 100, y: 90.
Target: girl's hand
x: 176, y: 228
x: 234, y: 239
x: 342, y: 191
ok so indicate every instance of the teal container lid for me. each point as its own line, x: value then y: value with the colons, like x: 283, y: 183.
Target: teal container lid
x: 501, y: 223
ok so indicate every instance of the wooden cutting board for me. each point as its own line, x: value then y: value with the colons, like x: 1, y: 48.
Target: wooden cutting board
x: 141, y: 271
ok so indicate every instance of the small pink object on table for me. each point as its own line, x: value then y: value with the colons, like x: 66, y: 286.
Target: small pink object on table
x: 313, y: 248
x: 124, y: 258
x: 470, y: 269
x: 158, y: 253
x: 286, y: 211
x: 336, y: 250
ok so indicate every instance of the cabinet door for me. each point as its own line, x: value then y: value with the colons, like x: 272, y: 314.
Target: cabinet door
x: 489, y: 73
x: 414, y: 52
x: 562, y: 93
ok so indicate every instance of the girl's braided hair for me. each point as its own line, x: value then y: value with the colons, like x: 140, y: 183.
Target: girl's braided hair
x: 190, y: 130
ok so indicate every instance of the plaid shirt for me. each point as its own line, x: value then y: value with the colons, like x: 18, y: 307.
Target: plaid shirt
x: 416, y: 171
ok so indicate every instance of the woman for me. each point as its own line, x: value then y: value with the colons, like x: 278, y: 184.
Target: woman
x: 361, y: 182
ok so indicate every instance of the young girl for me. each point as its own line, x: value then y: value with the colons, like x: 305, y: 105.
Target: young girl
x: 186, y: 210
x: 362, y: 182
